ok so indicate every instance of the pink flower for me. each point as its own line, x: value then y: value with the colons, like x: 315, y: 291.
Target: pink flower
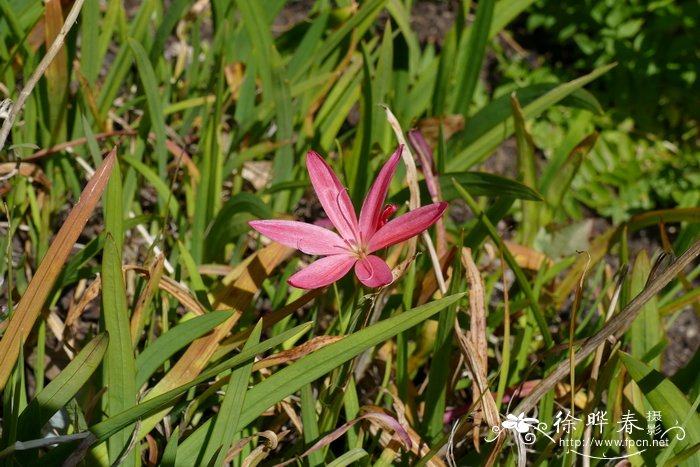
x: 355, y: 241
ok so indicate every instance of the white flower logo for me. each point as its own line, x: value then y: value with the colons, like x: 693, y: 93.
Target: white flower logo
x: 521, y: 424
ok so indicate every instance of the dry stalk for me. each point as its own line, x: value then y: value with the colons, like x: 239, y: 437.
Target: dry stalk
x: 614, y: 328
x: 39, y: 72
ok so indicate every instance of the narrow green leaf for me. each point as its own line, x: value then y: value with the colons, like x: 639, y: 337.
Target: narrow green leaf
x: 474, y: 50
x: 160, y: 186
x: 119, y: 369
x: 89, y: 40
x: 486, y: 184
x: 63, y: 387
x: 645, y: 332
x: 525, y: 148
x: 172, y: 341
x: 224, y: 432
x: 114, y: 424
x: 155, y: 106
x: 170, y: 452
x: 309, y: 420
x: 349, y: 458
x: 499, y: 129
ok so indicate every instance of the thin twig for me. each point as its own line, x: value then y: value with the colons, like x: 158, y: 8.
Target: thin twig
x: 616, y: 327
x: 39, y: 72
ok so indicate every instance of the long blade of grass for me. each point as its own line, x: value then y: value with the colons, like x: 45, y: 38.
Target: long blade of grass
x: 475, y: 50
x: 224, y: 432
x: 153, y: 101
x: 119, y: 368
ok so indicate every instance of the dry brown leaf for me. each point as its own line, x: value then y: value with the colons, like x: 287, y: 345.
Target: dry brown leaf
x: 479, y: 344
x: 430, y: 127
x: 178, y: 291
x: 527, y: 258
x: 296, y: 353
x: 77, y: 309
x: 32, y: 301
x: 25, y: 169
x: 155, y: 272
x: 234, y: 73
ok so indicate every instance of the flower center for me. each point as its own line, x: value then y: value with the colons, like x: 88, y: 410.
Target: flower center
x: 359, y: 250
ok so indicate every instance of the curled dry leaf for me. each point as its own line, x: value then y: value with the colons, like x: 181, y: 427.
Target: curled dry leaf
x: 25, y: 169
x: 178, y: 291
x: 270, y: 442
x: 155, y: 272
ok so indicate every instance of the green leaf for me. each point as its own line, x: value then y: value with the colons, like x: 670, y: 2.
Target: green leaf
x: 170, y: 452
x: 666, y: 398
x: 175, y: 339
x: 224, y: 432
x: 155, y: 107
x: 231, y: 220
x: 474, y: 49
x: 486, y: 184
x: 63, y: 387
x: 307, y: 369
x: 113, y: 424
x: 119, y: 369
x: 478, y: 145
x: 645, y: 332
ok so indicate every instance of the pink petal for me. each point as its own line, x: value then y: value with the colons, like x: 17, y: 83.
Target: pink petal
x: 373, y: 205
x: 406, y: 226
x: 309, y: 238
x: 373, y: 272
x: 333, y: 197
x: 322, y: 272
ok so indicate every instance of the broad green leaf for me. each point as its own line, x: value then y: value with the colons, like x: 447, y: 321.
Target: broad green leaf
x: 666, y: 398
